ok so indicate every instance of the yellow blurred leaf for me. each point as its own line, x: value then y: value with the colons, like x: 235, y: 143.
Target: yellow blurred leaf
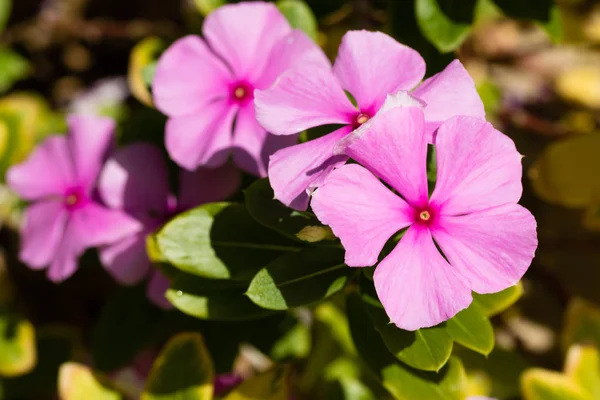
x: 18, y: 354
x: 142, y: 55
x: 581, y: 85
x: 78, y: 382
x: 539, y: 384
x: 567, y: 172
x: 583, y: 366
x: 314, y: 234
x: 270, y: 385
x: 207, y: 6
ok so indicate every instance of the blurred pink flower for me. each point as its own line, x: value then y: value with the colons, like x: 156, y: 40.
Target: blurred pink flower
x: 487, y: 239
x: 370, y: 66
x: 203, y: 86
x: 64, y: 220
x: 134, y: 179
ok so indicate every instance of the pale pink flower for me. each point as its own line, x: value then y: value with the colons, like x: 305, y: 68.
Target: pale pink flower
x: 135, y: 180
x: 65, y: 219
x: 370, y: 66
x: 487, y: 239
x: 203, y: 86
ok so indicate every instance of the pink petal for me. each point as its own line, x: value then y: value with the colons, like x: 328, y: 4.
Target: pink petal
x: 207, y: 185
x: 67, y: 255
x: 449, y: 93
x: 295, y: 171
x: 47, y: 172
x: 303, y: 98
x: 371, y: 65
x: 361, y: 211
x: 244, y: 34
x: 292, y: 50
x: 393, y: 146
x: 416, y: 286
x: 492, y: 249
x: 253, y: 145
x: 42, y: 232
x: 157, y: 286
x: 89, y: 139
x: 135, y: 179
x: 188, y: 77
x: 201, y: 139
x: 96, y: 225
x: 126, y: 260
x: 477, y: 167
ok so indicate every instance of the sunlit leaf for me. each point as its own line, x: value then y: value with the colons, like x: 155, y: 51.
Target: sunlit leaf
x: 472, y: 329
x: 539, y: 384
x: 77, y: 381
x: 494, y: 303
x: 445, y: 33
x: 207, y: 6
x: 143, y: 54
x: 300, y: 16
x: 18, y: 353
x: 583, y: 366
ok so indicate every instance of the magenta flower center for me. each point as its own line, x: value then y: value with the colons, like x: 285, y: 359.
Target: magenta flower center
x: 360, y: 119
x: 74, y: 198
x: 424, y: 216
x: 241, y: 93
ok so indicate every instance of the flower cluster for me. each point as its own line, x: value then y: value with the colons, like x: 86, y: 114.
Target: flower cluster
x: 245, y: 91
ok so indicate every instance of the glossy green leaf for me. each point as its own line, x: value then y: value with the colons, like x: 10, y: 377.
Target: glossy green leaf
x: 77, y: 381
x: 403, y: 382
x: 18, y: 353
x: 427, y: 349
x: 299, y: 279
x: 220, y: 241
x: 13, y: 68
x: 219, y: 300
x: 539, y: 384
x: 270, y: 385
x: 262, y: 206
x: 472, y: 329
x: 207, y: 6
x: 300, y: 16
x: 445, y: 33
x: 183, y: 370
x: 127, y: 323
x: 494, y: 303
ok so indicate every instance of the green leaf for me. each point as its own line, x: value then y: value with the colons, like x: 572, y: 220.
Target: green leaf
x: 207, y: 6
x: 403, y: 382
x: 293, y: 344
x: 553, y: 27
x: 495, y: 303
x: 77, y: 381
x: 583, y: 366
x: 127, y: 323
x: 18, y: 353
x: 539, y: 384
x: 5, y: 10
x: 262, y: 206
x: 270, y: 385
x: 143, y: 54
x: 183, y: 370
x: 445, y: 33
x: 582, y: 324
x: 218, y: 300
x: 426, y: 349
x: 220, y: 241
x: 13, y: 67
x: 299, y: 279
x: 300, y: 16
x: 472, y: 329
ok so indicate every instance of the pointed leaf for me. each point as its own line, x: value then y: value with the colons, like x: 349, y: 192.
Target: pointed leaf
x: 300, y: 16
x: 443, y: 32
x: 472, y: 329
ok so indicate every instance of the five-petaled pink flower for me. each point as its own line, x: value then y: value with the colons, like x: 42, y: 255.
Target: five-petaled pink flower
x: 65, y: 219
x: 203, y: 87
x: 370, y: 66
x: 487, y: 239
x: 135, y: 180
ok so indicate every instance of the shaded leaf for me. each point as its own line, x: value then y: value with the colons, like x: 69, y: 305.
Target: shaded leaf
x: 582, y: 324
x: 77, y: 381
x: 13, y: 67
x: 270, y: 385
x: 494, y: 303
x: 5, y: 10
x: 472, y: 329
x: 445, y: 34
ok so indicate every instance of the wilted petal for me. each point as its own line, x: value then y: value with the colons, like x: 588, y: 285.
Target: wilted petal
x: 492, y: 249
x: 201, y: 139
x: 188, y: 77
x: 253, y: 145
x: 449, y: 93
x: 392, y: 146
x: 42, y: 232
x: 244, y: 34
x: 135, y: 179
x: 296, y: 170
x: 157, y: 286
x: 47, y: 172
x: 303, y: 98
x: 206, y: 185
x: 126, y: 260
x: 477, y: 167
x: 361, y: 211
x: 416, y: 286
x: 371, y: 65
x: 89, y: 139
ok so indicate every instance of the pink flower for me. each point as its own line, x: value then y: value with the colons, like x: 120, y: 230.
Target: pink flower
x: 203, y: 86
x: 487, y: 239
x: 65, y: 219
x: 370, y: 66
x: 135, y: 180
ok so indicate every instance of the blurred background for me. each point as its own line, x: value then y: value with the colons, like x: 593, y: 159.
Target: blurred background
x: 536, y: 65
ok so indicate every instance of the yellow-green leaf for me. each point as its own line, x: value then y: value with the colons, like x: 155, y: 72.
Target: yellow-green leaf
x: 270, y: 385
x: 494, y: 303
x: 18, y: 354
x: 539, y: 384
x: 583, y: 366
x: 207, y: 6
x: 143, y: 54
x: 77, y: 382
